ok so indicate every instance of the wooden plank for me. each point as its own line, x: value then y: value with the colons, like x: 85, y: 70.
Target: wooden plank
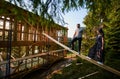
x: 21, y: 43
x: 89, y: 75
x: 28, y: 57
x: 24, y: 58
x: 4, y: 44
x: 84, y: 57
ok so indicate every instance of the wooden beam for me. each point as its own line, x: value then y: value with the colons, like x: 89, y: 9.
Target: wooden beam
x: 24, y: 58
x: 88, y: 75
x: 21, y: 43
x: 28, y: 57
x: 84, y: 57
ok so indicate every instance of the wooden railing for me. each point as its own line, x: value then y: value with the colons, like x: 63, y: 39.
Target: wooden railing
x: 29, y: 63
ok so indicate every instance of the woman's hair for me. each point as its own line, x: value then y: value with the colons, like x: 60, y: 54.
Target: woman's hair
x: 101, y: 31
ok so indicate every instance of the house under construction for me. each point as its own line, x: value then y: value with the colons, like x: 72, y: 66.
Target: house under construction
x: 23, y: 48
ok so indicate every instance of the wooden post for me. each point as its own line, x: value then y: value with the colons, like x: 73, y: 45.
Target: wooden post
x: 9, y: 52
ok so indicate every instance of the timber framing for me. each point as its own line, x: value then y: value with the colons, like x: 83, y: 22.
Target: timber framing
x: 27, y: 42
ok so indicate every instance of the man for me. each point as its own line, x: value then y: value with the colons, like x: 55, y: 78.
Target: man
x: 77, y: 36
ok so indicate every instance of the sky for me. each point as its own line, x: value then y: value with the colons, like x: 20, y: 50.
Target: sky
x: 73, y: 18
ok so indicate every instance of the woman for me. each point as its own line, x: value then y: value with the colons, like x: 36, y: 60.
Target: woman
x: 96, y: 51
x: 99, y: 46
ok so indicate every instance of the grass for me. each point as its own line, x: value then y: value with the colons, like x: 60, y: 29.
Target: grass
x: 76, y: 71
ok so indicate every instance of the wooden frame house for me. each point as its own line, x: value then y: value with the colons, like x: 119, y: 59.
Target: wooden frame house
x: 21, y: 36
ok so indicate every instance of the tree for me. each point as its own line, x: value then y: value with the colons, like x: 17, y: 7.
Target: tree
x: 49, y: 9
x: 109, y: 11
x: 113, y: 31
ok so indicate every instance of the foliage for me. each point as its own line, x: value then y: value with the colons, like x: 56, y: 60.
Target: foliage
x: 50, y: 9
x: 113, y: 44
x: 91, y: 24
x: 109, y: 12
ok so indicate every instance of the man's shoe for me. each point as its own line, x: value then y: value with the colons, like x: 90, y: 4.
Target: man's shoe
x: 78, y: 52
x: 88, y: 57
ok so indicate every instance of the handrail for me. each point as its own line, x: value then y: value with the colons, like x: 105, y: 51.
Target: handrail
x: 28, y: 57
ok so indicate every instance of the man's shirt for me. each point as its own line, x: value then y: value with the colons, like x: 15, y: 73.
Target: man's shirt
x: 79, y: 32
